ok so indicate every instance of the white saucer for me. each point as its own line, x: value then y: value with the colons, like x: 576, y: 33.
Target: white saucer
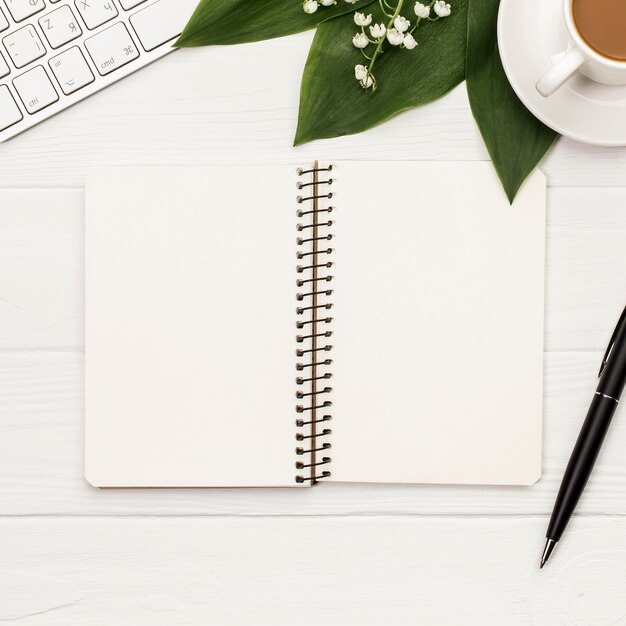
x: 531, y: 38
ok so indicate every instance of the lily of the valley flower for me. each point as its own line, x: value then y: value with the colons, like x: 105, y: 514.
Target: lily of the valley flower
x: 401, y: 24
x: 395, y: 37
x: 442, y: 9
x: 421, y: 10
x: 310, y: 6
x: 360, y: 19
x: 409, y: 42
x: 378, y: 30
x: 397, y: 32
x: 360, y: 40
x: 360, y: 72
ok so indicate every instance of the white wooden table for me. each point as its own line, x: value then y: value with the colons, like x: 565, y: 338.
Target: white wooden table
x: 71, y: 555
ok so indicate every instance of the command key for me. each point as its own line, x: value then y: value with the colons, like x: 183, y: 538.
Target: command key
x: 111, y: 49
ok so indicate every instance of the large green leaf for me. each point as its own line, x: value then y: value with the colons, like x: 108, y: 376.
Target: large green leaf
x: 331, y: 101
x: 516, y: 140
x: 242, y: 21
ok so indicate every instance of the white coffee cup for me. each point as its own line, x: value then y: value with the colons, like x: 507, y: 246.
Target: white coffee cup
x: 580, y: 57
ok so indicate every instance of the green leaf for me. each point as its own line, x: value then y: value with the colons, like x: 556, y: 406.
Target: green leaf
x: 243, y: 21
x: 515, y: 139
x: 332, y: 103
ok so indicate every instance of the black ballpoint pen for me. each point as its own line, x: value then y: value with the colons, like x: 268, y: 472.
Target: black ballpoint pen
x: 595, y: 427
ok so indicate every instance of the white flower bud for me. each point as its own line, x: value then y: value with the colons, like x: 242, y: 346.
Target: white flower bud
x: 361, y: 20
x: 360, y: 72
x: 310, y: 6
x: 378, y: 30
x: 442, y: 9
x: 401, y: 24
x: 367, y: 82
x: 328, y: 3
x: 421, y: 10
x: 360, y: 40
x: 395, y: 37
x: 409, y: 42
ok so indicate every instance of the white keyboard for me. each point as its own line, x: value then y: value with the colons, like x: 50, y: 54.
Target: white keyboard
x: 54, y: 53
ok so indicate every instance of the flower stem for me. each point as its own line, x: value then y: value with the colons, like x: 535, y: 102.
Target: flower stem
x: 368, y: 39
x: 379, y: 47
x: 384, y: 6
x: 419, y: 19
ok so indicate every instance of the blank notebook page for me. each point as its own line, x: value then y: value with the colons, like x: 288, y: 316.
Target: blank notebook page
x: 190, y: 323
x: 438, y: 320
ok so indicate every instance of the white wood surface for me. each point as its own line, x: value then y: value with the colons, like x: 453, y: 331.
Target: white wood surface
x: 338, y: 554
x: 383, y: 570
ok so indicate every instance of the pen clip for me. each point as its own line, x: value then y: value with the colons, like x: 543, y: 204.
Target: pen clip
x: 616, y: 332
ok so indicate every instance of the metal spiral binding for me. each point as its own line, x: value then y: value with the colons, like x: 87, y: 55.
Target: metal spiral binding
x: 314, y: 321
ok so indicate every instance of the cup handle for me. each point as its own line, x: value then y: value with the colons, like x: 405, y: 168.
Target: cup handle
x: 558, y: 74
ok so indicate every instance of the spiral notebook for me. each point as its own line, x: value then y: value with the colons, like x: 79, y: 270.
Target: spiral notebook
x: 281, y: 326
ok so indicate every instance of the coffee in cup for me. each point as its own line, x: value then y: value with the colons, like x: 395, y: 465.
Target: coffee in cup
x: 602, y: 25
x: 597, y: 37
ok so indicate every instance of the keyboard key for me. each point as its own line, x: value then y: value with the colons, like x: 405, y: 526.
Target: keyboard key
x: 4, y: 23
x: 4, y: 67
x: 24, y: 46
x: 9, y: 111
x: 71, y: 70
x: 60, y: 27
x: 21, y: 9
x: 127, y: 5
x: 111, y: 49
x: 35, y: 89
x: 162, y: 21
x: 96, y: 12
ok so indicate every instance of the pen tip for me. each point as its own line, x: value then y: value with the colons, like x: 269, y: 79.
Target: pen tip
x: 547, y: 551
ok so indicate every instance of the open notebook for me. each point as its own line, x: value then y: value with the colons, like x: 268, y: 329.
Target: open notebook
x: 267, y: 326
